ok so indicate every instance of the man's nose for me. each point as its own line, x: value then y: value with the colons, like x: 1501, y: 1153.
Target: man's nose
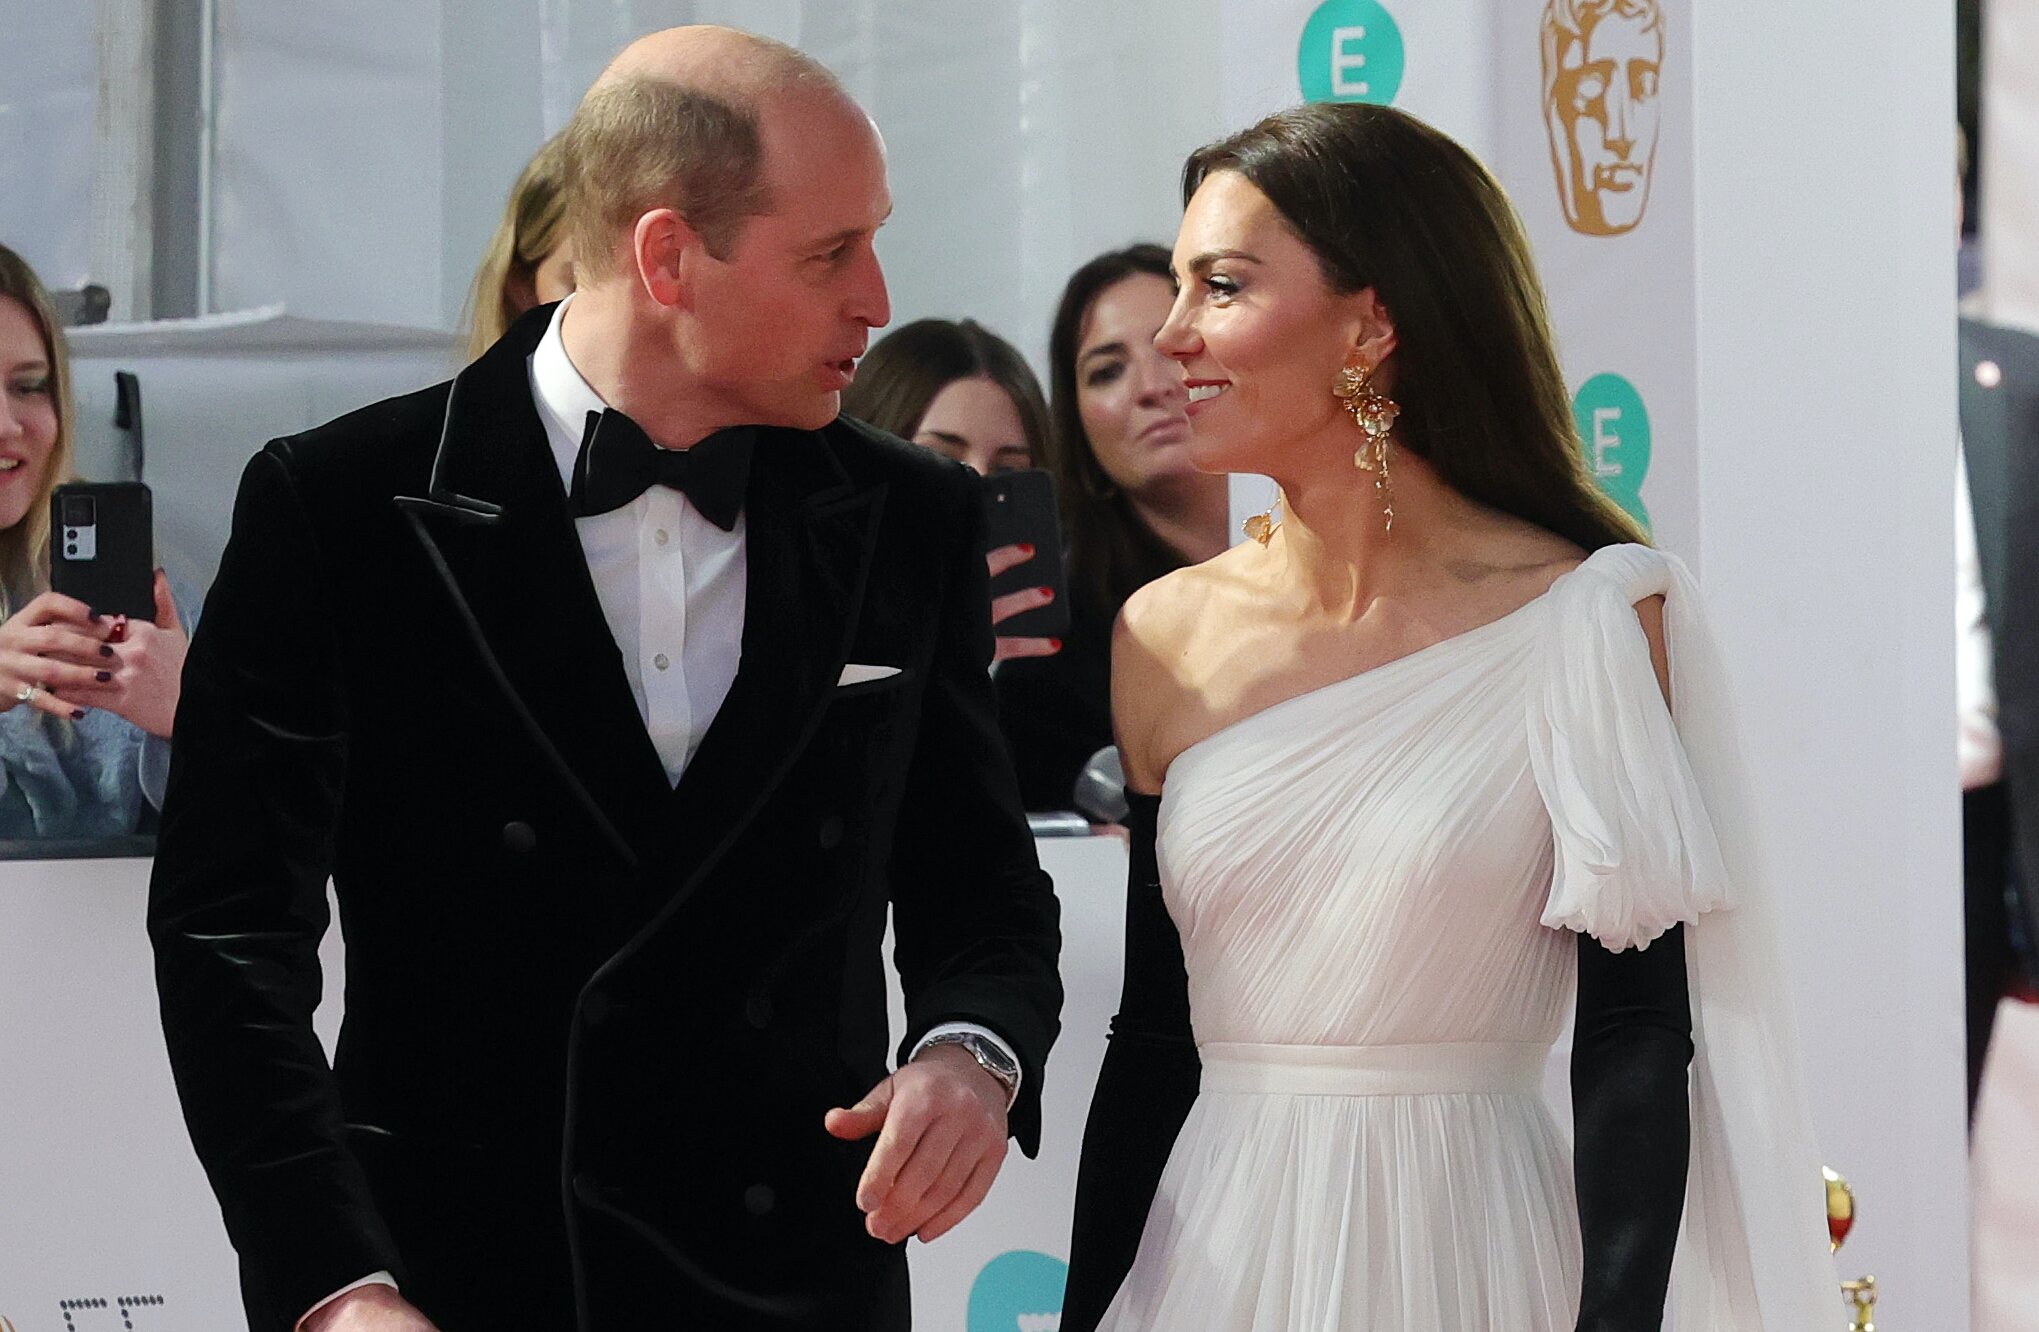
x: 870, y: 303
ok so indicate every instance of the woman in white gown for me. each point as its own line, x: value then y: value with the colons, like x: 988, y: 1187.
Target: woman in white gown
x: 1411, y: 784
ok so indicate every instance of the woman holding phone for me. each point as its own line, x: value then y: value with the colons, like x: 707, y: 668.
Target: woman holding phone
x: 1134, y: 505
x: 87, y: 701
x: 960, y: 389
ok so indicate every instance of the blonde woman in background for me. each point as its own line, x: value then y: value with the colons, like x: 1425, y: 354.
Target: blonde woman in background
x: 527, y: 263
x: 86, y: 700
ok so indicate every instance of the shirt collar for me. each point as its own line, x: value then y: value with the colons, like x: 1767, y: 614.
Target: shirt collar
x: 564, y: 399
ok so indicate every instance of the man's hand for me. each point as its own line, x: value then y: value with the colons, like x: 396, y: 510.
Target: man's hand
x: 376, y: 1308
x: 943, y: 1139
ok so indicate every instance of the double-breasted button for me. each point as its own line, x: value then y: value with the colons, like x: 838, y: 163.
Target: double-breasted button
x: 830, y: 834
x: 595, y: 1009
x: 585, y: 1188
x: 519, y: 837
x: 757, y: 1010
x: 759, y: 1199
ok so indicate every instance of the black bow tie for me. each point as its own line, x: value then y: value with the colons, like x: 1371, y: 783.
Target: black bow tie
x: 618, y: 462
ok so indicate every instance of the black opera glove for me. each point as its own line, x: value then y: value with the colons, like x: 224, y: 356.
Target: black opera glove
x: 1632, y: 1127
x: 1144, y: 1091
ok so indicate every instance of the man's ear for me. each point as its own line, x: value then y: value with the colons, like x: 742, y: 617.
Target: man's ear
x: 668, y: 253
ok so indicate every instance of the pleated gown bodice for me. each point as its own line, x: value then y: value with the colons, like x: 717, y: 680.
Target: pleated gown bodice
x: 1366, y: 864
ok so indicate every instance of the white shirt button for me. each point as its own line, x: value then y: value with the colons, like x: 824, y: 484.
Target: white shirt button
x: 661, y: 661
x: 661, y: 536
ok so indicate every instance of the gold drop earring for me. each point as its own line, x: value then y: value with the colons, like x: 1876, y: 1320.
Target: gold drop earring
x: 1374, y: 413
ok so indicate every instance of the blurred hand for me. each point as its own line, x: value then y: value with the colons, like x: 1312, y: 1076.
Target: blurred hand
x: 148, y: 664
x: 1012, y: 603
x: 376, y: 1308
x: 942, y: 1141
x: 56, y: 644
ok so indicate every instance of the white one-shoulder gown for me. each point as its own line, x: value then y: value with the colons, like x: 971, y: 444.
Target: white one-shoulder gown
x: 1374, y: 884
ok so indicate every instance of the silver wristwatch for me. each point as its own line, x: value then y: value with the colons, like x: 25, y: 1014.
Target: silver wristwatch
x: 988, y: 1055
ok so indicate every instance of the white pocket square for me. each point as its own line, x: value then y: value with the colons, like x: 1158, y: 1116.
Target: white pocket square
x: 857, y: 674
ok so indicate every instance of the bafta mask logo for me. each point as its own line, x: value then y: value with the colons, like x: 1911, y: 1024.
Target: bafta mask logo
x: 1602, y: 60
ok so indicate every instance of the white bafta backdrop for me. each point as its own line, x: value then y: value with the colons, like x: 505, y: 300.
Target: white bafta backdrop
x: 1759, y: 313
x: 365, y: 151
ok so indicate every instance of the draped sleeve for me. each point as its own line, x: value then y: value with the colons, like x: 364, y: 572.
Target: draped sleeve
x: 1651, y: 826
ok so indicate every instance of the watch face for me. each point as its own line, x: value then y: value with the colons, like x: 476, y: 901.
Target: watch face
x: 987, y: 1054
x: 993, y: 1058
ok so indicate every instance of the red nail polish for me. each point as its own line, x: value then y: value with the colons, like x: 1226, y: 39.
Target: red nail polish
x: 1056, y: 643
x: 1027, y: 549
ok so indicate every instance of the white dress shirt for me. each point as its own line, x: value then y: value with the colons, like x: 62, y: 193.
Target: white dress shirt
x: 672, y: 588
x: 671, y: 583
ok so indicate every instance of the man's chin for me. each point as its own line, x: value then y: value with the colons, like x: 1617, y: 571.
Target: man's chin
x: 813, y: 416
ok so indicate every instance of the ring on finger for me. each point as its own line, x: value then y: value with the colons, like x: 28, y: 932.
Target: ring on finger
x: 28, y: 693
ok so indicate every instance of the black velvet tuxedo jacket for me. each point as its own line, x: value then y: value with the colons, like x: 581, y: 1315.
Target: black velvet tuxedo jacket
x: 593, y: 1022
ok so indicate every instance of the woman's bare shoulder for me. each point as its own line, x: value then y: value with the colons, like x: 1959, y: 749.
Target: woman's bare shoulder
x: 1513, y: 560
x: 1155, y: 654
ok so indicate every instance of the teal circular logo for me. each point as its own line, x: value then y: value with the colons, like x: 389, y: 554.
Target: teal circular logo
x: 1614, y: 430
x: 1020, y: 1291
x: 1351, y: 52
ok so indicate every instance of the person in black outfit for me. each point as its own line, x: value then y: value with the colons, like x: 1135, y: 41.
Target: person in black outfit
x: 619, y: 737
x: 2000, y: 806
x: 1132, y: 504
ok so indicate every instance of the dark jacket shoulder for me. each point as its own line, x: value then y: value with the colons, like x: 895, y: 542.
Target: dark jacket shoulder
x: 388, y: 445
x: 874, y: 456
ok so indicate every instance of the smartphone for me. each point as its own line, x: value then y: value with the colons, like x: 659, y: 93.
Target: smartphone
x: 103, y: 546
x: 1019, y: 508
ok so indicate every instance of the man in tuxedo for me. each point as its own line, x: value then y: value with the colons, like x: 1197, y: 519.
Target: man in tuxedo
x: 620, y: 687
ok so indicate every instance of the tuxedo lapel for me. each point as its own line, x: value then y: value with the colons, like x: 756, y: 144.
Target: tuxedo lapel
x: 496, y: 530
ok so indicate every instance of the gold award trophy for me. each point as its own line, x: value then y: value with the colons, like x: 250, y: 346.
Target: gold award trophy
x: 1602, y: 60
x: 1840, y: 1220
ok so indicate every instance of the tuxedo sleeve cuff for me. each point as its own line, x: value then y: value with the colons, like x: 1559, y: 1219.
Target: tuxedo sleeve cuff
x: 372, y: 1279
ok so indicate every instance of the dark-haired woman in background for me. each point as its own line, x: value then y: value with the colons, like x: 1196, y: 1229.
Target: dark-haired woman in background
x: 1407, y: 784
x: 960, y: 389
x: 1133, y: 504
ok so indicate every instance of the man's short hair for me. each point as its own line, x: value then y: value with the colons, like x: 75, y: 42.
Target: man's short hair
x: 641, y: 142
x: 644, y: 143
